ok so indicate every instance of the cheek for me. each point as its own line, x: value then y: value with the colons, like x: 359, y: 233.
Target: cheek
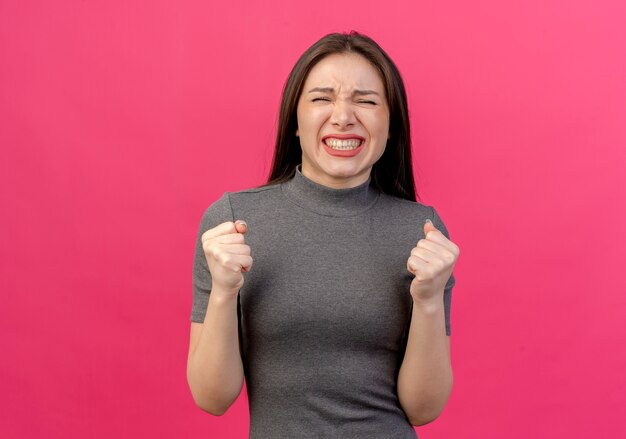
x: 298, y: 117
x: 383, y: 126
x: 378, y: 126
x: 312, y: 121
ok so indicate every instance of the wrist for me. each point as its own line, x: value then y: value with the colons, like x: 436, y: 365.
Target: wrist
x: 428, y: 306
x: 220, y: 295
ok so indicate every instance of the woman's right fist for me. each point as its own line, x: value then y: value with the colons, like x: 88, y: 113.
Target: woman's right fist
x: 227, y: 255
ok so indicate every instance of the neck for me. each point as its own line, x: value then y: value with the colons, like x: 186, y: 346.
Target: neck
x: 336, y: 183
x: 329, y: 201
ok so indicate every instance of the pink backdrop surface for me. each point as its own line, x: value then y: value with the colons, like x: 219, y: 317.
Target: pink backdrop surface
x: 122, y: 121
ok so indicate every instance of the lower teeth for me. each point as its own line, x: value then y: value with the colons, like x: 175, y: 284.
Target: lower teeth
x: 344, y: 147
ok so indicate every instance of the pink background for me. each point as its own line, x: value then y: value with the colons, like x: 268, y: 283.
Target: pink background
x: 121, y: 121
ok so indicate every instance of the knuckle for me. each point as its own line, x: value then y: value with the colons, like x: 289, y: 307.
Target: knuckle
x: 441, y: 265
x: 224, y: 258
x: 409, y: 265
x: 226, y: 225
x: 209, y: 248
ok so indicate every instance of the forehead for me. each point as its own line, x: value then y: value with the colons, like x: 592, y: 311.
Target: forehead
x: 344, y: 70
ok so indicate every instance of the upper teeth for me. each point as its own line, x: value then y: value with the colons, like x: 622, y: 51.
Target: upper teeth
x: 338, y: 143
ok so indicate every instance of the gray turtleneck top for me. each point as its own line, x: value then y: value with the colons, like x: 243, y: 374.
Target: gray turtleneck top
x: 325, y: 310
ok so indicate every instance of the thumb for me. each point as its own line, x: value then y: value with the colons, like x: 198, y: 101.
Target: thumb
x: 429, y: 227
x: 241, y: 226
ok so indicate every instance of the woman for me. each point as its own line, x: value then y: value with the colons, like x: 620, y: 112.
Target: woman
x: 341, y: 327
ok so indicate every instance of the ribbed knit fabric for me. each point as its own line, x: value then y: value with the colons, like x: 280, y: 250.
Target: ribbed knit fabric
x: 325, y: 310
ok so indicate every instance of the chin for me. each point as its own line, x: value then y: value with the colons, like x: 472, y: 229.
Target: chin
x: 342, y: 171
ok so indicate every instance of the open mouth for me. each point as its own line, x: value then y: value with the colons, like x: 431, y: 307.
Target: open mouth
x: 343, y: 144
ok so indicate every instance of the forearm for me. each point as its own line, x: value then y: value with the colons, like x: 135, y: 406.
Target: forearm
x: 214, y: 367
x: 425, y: 377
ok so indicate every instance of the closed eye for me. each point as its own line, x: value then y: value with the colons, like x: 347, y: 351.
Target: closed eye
x: 367, y: 102
x: 320, y: 99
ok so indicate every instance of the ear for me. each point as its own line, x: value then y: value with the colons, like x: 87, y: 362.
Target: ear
x: 297, y: 133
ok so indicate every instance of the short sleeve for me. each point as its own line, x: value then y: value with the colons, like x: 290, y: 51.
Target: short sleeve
x: 217, y: 213
x: 447, y: 292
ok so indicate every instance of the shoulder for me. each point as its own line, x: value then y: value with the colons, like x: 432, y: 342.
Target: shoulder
x: 219, y: 211
x: 223, y: 208
x: 402, y: 207
x: 257, y: 199
x: 255, y: 192
x: 399, y: 210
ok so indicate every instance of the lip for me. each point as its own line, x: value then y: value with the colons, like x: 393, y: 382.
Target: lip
x: 343, y: 137
x: 343, y: 153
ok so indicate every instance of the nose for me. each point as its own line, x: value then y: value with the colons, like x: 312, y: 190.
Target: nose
x: 343, y: 114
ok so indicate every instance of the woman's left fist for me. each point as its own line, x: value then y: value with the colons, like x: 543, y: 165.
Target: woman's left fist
x: 431, y: 261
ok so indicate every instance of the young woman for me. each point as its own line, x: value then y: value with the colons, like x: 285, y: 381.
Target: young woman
x: 341, y: 327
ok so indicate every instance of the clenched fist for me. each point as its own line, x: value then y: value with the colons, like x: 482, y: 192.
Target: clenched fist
x: 431, y: 261
x: 227, y: 255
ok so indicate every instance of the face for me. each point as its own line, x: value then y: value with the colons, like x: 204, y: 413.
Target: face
x: 343, y: 121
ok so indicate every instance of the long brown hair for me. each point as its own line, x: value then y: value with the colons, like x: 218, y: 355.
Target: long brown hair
x: 393, y: 173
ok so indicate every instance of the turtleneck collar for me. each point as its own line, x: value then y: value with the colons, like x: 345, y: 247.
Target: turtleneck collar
x: 329, y: 201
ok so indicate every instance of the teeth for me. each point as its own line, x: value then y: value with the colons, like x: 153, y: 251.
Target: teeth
x: 343, y: 144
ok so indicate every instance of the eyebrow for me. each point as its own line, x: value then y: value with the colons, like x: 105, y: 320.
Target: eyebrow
x: 331, y: 90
